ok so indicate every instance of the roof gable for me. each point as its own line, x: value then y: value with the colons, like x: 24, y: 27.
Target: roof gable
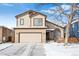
x: 31, y: 13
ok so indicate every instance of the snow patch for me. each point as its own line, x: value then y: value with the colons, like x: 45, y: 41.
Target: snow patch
x: 5, y: 45
x: 58, y: 49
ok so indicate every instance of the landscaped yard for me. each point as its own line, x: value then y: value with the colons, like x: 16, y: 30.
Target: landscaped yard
x: 48, y: 49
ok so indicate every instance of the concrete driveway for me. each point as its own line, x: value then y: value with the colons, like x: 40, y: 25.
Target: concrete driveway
x: 22, y: 49
x: 48, y: 49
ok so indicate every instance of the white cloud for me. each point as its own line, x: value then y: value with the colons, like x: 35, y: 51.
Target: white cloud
x: 7, y: 4
x: 52, y: 10
x: 55, y: 9
x: 66, y: 7
x: 48, y: 11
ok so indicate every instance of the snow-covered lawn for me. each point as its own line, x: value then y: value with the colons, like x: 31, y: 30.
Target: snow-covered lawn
x: 58, y: 49
x: 4, y: 45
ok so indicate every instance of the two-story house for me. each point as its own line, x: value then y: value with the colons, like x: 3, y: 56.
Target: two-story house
x: 32, y: 26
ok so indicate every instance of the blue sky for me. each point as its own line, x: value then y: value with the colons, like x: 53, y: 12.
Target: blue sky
x: 9, y: 11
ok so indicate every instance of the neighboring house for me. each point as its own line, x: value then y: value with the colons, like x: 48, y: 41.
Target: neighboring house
x: 6, y: 35
x: 74, y: 30
x: 32, y: 26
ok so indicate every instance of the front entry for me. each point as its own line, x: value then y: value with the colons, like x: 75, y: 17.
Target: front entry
x: 53, y: 35
x: 57, y: 35
x: 49, y: 35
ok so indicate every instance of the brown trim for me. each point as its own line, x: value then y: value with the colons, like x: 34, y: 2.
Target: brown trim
x: 45, y: 21
x: 2, y: 34
x: 31, y: 28
x: 17, y: 22
x: 41, y: 37
x: 29, y: 32
x: 18, y: 37
x: 30, y: 21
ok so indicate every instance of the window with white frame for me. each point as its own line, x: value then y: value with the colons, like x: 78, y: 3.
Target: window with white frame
x: 21, y: 21
x: 37, y: 22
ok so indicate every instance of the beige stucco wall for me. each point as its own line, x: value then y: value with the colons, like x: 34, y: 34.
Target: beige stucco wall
x: 28, y: 22
x: 42, y: 31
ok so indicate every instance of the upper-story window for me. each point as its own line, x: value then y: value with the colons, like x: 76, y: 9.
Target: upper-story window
x: 21, y: 21
x: 38, y: 22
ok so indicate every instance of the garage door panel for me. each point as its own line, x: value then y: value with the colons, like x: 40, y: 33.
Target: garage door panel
x: 30, y: 37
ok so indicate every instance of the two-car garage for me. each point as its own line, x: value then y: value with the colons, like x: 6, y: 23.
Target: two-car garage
x: 30, y: 37
x: 33, y: 35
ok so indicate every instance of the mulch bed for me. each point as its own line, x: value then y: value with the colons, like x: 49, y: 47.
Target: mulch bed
x: 73, y: 40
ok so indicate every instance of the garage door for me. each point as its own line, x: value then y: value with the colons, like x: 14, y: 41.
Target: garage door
x: 30, y: 37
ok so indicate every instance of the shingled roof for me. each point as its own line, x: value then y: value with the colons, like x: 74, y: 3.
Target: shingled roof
x: 31, y: 13
x: 54, y: 24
